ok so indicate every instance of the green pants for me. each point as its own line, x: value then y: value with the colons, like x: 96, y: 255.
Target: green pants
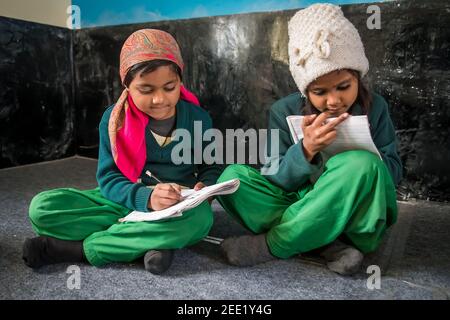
x: 71, y: 214
x: 354, y: 198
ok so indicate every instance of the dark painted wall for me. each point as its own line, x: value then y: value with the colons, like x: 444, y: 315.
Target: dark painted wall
x: 238, y: 67
x: 36, y: 99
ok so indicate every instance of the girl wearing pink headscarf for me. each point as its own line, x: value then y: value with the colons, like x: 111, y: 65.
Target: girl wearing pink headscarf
x: 135, y: 137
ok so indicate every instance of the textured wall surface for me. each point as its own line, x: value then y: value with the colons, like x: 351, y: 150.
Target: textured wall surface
x: 237, y: 65
x: 36, y: 98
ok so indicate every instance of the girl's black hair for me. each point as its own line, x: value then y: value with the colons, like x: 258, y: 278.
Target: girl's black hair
x: 147, y: 67
x: 364, y: 98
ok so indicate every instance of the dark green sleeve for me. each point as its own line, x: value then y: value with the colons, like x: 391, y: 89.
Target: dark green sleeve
x: 286, y: 167
x: 208, y: 173
x: 113, y: 184
x: 385, y: 139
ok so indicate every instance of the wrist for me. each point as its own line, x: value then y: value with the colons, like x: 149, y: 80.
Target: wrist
x: 309, y: 155
x: 149, y: 203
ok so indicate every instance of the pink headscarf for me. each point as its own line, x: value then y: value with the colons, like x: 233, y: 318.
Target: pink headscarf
x: 127, y: 123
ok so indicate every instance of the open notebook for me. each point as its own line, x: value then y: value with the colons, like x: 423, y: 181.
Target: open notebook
x: 190, y: 199
x: 352, y: 134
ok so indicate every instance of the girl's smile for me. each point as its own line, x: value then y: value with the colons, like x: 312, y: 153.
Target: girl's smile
x: 156, y: 93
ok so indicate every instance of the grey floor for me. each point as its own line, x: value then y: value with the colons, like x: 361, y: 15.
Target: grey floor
x: 414, y: 259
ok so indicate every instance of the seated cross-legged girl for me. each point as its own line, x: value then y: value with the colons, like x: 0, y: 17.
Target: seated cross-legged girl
x: 136, y: 136
x: 340, y: 206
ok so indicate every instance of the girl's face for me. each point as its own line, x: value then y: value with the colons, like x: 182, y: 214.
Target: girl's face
x: 156, y: 93
x: 334, y: 92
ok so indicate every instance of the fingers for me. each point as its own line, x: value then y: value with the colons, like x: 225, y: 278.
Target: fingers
x: 165, y: 202
x: 169, y: 187
x: 335, y: 122
x: 331, y: 125
x: 169, y: 194
x: 320, y: 119
x: 161, y: 203
x: 165, y: 195
x: 319, y: 133
x: 308, y: 120
x: 169, y: 191
x: 199, y: 186
x: 177, y: 187
x: 327, y: 138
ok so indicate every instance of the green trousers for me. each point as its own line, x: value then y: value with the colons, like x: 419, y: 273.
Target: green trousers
x: 71, y: 214
x: 354, y: 198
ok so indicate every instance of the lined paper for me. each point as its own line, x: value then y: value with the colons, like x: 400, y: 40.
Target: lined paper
x: 352, y: 134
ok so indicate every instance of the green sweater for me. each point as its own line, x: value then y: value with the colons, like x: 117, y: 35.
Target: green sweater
x: 116, y: 187
x: 294, y: 170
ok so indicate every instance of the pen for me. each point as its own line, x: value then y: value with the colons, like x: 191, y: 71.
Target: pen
x: 152, y: 176
x: 213, y: 240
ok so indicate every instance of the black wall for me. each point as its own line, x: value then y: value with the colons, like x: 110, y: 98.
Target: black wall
x: 36, y: 99
x: 237, y: 65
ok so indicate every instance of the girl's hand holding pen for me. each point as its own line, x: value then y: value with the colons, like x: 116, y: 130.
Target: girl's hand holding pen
x: 164, y: 195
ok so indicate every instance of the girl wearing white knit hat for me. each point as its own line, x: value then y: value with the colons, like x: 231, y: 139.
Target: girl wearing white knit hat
x: 342, y: 205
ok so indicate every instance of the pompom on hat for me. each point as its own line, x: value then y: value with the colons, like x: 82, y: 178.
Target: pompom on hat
x: 322, y: 40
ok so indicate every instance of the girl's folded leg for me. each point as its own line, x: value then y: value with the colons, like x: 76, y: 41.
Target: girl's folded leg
x: 126, y: 242
x: 258, y: 205
x: 63, y: 218
x: 71, y: 214
x: 355, y: 195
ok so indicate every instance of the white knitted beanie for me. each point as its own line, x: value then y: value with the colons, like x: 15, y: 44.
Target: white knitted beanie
x: 322, y: 40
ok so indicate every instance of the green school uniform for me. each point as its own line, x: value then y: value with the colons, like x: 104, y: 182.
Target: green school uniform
x: 92, y: 215
x: 354, y: 196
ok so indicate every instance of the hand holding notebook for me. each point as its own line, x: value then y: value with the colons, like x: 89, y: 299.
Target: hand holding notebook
x: 190, y: 199
x: 352, y: 134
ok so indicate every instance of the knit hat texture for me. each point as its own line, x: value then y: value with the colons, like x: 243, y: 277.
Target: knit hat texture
x: 322, y: 40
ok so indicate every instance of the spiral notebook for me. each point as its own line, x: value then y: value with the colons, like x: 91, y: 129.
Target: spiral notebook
x: 190, y: 199
x: 352, y: 134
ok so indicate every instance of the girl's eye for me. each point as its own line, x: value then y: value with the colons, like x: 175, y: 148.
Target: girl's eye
x: 151, y: 91
x: 318, y: 92
x: 345, y: 87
